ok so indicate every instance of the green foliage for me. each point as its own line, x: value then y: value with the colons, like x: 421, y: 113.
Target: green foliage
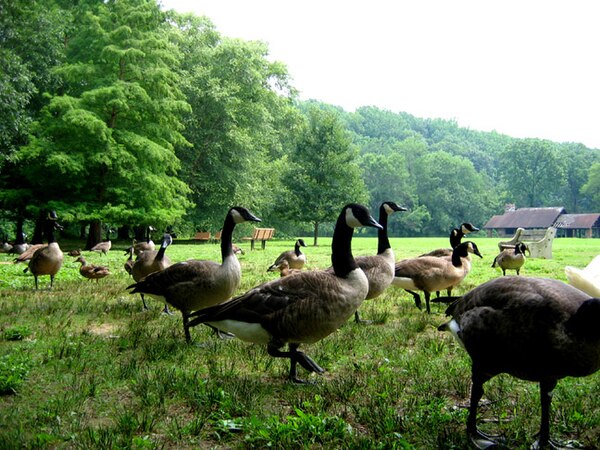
x: 592, y: 186
x: 14, y: 368
x: 16, y: 333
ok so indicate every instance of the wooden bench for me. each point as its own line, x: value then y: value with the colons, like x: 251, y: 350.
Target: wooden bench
x: 260, y: 234
x: 538, y: 242
x: 202, y: 236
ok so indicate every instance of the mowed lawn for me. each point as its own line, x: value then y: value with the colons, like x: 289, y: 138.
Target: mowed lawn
x: 83, y: 366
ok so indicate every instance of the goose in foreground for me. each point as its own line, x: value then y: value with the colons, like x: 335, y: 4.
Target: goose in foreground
x: 431, y: 273
x: 91, y: 271
x: 299, y: 309
x: 295, y: 258
x: 586, y: 280
x: 456, y: 236
x: 379, y: 268
x: 196, y: 284
x: 47, y: 260
x: 151, y: 261
x: 511, y: 259
x: 534, y: 329
x: 104, y: 246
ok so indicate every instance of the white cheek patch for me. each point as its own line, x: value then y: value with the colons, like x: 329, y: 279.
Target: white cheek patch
x: 387, y: 208
x: 351, y: 220
x: 237, y: 217
x: 465, y: 230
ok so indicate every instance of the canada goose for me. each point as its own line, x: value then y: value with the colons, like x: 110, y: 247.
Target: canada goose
x: 431, y: 273
x: 76, y: 252
x: 195, y: 284
x: 456, y: 236
x: 28, y: 254
x: 534, y: 329
x: 5, y: 247
x: 47, y: 260
x: 586, y: 280
x: 152, y: 261
x: 146, y: 245
x: 236, y: 249
x: 128, y: 266
x: 303, y: 308
x: 104, y: 246
x: 379, y: 268
x: 19, y: 246
x: 284, y: 269
x: 511, y: 259
x: 90, y: 271
x: 295, y: 258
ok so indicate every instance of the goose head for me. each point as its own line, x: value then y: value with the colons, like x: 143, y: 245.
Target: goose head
x: 239, y: 214
x: 359, y: 216
x: 392, y: 207
x: 468, y: 227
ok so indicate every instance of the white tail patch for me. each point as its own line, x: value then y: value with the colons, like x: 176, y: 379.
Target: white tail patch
x: 404, y: 283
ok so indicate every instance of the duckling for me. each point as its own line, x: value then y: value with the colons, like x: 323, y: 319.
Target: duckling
x: 196, y: 284
x: 151, y: 261
x: 586, y: 280
x: 303, y: 308
x: 90, y: 271
x: 379, y: 268
x: 47, y: 260
x: 511, y: 259
x: 430, y: 273
x: 456, y: 236
x: 534, y: 329
x: 295, y: 258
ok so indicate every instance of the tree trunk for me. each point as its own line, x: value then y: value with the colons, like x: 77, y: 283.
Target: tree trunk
x: 140, y: 233
x: 94, y: 235
x: 316, y: 235
x: 123, y: 233
x: 38, y: 231
x: 19, y: 237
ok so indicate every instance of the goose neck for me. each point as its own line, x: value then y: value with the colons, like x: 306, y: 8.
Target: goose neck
x: 456, y: 237
x: 341, y: 249
x: 383, y: 243
x: 226, y: 237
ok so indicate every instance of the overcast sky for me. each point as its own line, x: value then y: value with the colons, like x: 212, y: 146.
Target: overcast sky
x: 525, y: 68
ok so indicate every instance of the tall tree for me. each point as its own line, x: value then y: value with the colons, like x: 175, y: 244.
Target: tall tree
x: 592, y: 187
x: 108, y: 142
x: 323, y: 172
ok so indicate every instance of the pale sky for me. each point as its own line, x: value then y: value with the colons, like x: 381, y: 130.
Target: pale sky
x: 525, y: 68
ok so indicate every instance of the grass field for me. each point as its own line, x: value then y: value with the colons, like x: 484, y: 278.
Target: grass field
x: 83, y: 366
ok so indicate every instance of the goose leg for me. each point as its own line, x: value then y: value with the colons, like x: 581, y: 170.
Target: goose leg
x: 416, y: 296
x: 357, y: 319
x: 427, y: 297
x: 166, y: 310
x: 543, y: 440
x: 186, y: 327
x: 36, y: 282
x: 144, y: 302
x: 295, y: 357
x: 479, y: 439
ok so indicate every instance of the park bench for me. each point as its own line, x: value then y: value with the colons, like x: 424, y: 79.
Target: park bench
x: 202, y: 236
x: 538, y: 242
x: 260, y: 234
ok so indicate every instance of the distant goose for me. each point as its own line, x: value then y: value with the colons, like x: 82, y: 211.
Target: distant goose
x: 28, y: 254
x: 47, y: 260
x: 431, y: 273
x: 151, y: 261
x: 511, y: 259
x: 456, y: 236
x: 76, y: 252
x: 91, y: 271
x: 295, y: 258
x: 19, y: 246
x: 284, y: 269
x: 104, y: 246
x: 299, y: 309
x: 146, y: 245
x: 586, y: 280
x: 6, y: 247
x: 532, y: 328
x: 196, y: 284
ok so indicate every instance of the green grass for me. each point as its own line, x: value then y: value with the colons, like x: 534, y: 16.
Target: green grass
x: 83, y: 366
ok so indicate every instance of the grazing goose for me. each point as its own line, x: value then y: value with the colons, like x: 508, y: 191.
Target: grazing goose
x: 284, y: 269
x: 152, y: 261
x: 299, y: 309
x: 295, y: 258
x: 531, y: 328
x: 456, y: 236
x: 148, y: 244
x: 47, y: 260
x: 90, y: 271
x: 104, y: 246
x: 586, y: 280
x: 197, y: 284
x: 379, y: 268
x: 431, y: 273
x: 510, y: 259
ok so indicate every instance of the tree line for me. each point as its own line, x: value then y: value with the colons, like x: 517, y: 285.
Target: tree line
x: 120, y: 114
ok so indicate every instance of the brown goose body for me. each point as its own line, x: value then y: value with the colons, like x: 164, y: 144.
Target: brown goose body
x: 91, y: 271
x: 456, y: 236
x: 511, y: 259
x: 27, y: 254
x: 47, y: 260
x: 295, y: 258
x: 534, y: 329
x: 284, y: 269
x: 102, y: 247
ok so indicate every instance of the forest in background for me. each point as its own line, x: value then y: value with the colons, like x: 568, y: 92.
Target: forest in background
x: 118, y: 114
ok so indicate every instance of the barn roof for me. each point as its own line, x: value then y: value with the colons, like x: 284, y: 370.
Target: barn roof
x: 578, y: 221
x: 526, y: 218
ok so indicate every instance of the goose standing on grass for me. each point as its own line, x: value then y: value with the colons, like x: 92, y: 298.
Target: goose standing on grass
x: 534, y: 329
x: 49, y: 259
x: 511, y: 259
x: 431, y: 273
x: 148, y: 244
x: 19, y: 246
x: 91, y: 271
x: 299, y: 309
x: 196, y: 284
x: 295, y: 258
x: 104, y: 246
x: 379, y: 269
x: 586, y: 280
x: 152, y: 261
x: 456, y: 236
